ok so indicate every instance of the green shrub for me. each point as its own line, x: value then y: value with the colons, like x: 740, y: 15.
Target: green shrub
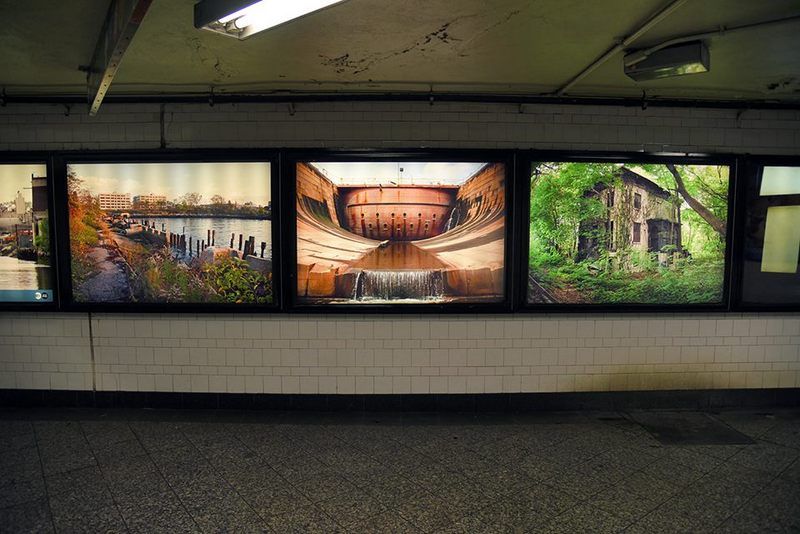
x: 234, y: 281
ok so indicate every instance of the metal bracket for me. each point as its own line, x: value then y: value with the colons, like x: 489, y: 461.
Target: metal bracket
x: 122, y: 21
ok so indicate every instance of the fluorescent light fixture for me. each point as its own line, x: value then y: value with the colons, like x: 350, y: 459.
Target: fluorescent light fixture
x: 243, y: 18
x: 676, y: 60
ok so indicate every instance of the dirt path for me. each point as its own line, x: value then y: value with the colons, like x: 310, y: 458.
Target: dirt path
x: 110, y: 284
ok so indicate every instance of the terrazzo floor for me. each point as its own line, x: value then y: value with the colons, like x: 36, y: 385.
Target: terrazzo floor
x: 224, y: 471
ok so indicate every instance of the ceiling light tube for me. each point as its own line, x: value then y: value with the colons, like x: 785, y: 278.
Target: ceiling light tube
x: 243, y: 18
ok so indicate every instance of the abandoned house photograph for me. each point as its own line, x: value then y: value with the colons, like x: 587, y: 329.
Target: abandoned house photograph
x: 608, y: 233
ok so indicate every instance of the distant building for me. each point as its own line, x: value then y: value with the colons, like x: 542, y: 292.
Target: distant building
x: 115, y: 201
x: 39, y: 195
x: 149, y: 200
x: 640, y: 215
x: 39, y: 204
x: 20, y: 205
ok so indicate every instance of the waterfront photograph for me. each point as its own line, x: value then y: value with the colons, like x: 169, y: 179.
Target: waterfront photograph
x: 400, y: 232
x: 171, y: 232
x: 613, y: 233
x: 25, y: 255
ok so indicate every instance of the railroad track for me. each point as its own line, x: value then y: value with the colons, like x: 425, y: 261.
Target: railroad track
x: 542, y: 295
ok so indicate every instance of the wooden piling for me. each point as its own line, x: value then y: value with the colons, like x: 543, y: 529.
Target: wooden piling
x: 233, y: 236
x: 208, y: 236
x: 252, y: 241
x: 213, y: 237
x: 240, y: 241
x: 263, y: 247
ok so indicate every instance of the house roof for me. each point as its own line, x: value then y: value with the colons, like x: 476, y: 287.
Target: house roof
x: 640, y: 178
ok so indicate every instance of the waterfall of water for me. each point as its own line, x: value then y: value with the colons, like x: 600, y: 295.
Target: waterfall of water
x: 396, y: 285
x: 453, y: 220
x: 450, y: 224
x: 358, y: 286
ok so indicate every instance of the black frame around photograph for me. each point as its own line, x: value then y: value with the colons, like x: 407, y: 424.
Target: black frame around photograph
x: 524, y: 163
x: 290, y: 158
x: 46, y: 159
x: 749, y: 182
x: 61, y: 161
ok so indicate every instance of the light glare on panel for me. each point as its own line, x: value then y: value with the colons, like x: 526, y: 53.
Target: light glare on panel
x: 254, y: 18
x: 780, y: 181
x: 781, y: 240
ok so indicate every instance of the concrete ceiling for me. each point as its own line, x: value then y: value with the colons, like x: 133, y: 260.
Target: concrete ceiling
x: 526, y: 47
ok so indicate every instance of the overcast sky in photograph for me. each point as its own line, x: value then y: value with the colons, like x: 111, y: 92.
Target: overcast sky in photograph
x: 15, y: 178
x: 237, y: 182
x: 413, y: 173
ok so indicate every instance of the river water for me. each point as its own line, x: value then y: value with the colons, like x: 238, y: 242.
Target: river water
x: 17, y: 274
x: 197, y: 228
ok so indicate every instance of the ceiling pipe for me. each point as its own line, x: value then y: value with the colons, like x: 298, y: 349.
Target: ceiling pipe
x: 641, y: 55
x: 516, y: 99
x: 652, y: 21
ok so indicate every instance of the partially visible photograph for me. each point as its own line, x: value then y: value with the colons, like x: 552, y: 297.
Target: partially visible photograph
x: 171, y: 232
x: 771, y: 252
x: 26, y: 274
x: 614, y: 233
x: 400, y: 232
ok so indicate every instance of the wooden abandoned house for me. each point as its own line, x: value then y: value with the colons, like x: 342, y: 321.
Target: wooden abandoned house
x: 640, y: 215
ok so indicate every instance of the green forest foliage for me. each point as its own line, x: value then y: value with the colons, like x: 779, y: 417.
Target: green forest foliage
x: 565, y: 205
x: 709, y: 185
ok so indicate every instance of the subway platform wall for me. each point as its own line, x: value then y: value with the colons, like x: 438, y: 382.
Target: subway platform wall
x: 399, y: 354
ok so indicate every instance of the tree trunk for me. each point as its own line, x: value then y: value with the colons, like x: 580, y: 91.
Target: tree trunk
x: 716, y: 223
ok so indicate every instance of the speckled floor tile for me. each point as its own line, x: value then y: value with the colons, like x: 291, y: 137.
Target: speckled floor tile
x: 100, y: 519
x: 166, y: 471
x: 304, y: 519
x: 147, y: 513
x: 27, y: 517
x: 583, y: 518
x: 386, y: 522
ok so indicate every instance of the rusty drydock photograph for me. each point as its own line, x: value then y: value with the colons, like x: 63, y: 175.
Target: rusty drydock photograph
x: 400, y: 232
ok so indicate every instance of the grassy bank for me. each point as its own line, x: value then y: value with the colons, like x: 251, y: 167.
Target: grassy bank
x: 685, y: 282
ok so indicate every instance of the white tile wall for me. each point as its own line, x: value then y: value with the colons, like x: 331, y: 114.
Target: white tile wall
x: 406, y: 353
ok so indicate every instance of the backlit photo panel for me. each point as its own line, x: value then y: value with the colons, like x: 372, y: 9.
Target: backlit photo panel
x: 400, y: 232
x: 171, y: 232
x: 26, y: 256
x: 613, y: 233
x: 771, y: 252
